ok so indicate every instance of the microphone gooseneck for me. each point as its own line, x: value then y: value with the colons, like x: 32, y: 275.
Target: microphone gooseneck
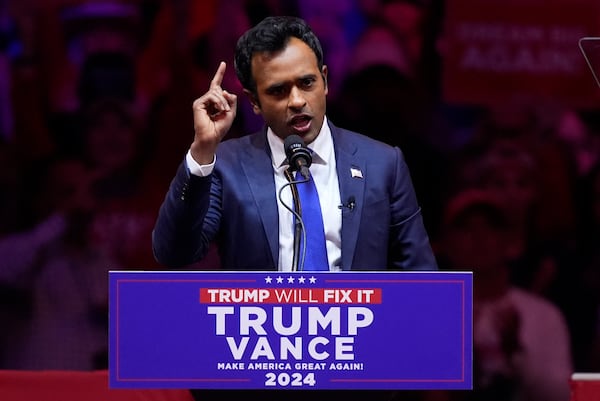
x: 299, y: 159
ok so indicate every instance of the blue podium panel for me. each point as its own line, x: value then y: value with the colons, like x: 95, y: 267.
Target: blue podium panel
x: 275, y: 330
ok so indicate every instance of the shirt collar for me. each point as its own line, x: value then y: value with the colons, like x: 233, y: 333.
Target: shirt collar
x: 321, y: 147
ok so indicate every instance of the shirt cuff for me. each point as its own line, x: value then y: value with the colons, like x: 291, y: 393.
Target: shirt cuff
x: 201, y: 170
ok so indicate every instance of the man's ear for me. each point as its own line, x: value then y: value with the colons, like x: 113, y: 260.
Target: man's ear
x: 253, y: 101
x: 324, y: 75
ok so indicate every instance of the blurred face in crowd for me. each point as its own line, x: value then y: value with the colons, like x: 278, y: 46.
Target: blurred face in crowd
x: 290, y: 90
x: 111, y: 142
x: 475, y: 243
x: 66, y: 188
x: 513, y: 184
x: 582, y: 145
x: 406, y: 20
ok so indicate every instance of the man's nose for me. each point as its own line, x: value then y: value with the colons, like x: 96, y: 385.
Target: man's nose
x: 296, y: 99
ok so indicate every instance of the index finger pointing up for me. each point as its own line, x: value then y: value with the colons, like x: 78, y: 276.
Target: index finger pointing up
x: 218, y: 78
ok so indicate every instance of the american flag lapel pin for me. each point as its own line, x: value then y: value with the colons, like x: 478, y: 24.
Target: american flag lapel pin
x: 355, y: 172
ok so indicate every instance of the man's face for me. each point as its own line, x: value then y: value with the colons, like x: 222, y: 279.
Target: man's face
x: 290, y: 90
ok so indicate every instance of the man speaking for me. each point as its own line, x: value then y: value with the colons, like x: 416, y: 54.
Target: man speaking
x: 358, y: 206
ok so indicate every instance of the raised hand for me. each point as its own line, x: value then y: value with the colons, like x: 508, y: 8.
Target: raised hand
x: 214, y: 113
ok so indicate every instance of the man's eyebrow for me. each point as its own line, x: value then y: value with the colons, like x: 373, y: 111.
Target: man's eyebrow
x: 280, y: 85
x: 277, y: 85
x: 307, y: 76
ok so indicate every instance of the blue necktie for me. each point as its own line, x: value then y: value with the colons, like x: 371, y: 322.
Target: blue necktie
x: 316, y: 251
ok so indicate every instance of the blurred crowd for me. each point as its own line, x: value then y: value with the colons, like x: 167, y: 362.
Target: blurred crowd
x: 95, y: 116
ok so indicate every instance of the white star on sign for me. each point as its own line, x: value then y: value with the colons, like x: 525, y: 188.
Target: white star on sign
x: 301, y: 279
x: 268, y: 279
x: 290, y: 279
x: 312, y: 279
x: 279, y: 280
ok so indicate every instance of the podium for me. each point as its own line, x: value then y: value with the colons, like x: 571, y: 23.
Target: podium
x: 290, y: 330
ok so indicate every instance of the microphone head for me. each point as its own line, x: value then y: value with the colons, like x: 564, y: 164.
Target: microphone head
x: 297, y: 153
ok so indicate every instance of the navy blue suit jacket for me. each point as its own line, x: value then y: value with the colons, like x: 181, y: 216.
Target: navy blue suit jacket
x: 236, y: 206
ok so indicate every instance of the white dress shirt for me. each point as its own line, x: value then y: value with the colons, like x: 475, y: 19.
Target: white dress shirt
x: 324, y: 173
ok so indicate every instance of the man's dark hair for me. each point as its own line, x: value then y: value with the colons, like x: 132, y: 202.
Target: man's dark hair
x: 271, y: 35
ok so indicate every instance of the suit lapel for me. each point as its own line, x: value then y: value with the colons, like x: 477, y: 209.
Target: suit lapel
x: 352, y: 170
x: 257, y: 166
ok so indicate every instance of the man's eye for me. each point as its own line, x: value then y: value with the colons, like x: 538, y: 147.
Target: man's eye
x: 277, y: 91
x: 307, y: 83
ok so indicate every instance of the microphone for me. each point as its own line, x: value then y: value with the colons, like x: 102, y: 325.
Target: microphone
x: 298, y: 155
x: 349, y: 204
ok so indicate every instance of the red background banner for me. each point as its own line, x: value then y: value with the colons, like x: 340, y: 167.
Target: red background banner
x: 518, y: 48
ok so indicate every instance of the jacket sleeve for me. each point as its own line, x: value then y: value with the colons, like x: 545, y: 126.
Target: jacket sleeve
x: 409, y: 247
x: 188, y: 219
